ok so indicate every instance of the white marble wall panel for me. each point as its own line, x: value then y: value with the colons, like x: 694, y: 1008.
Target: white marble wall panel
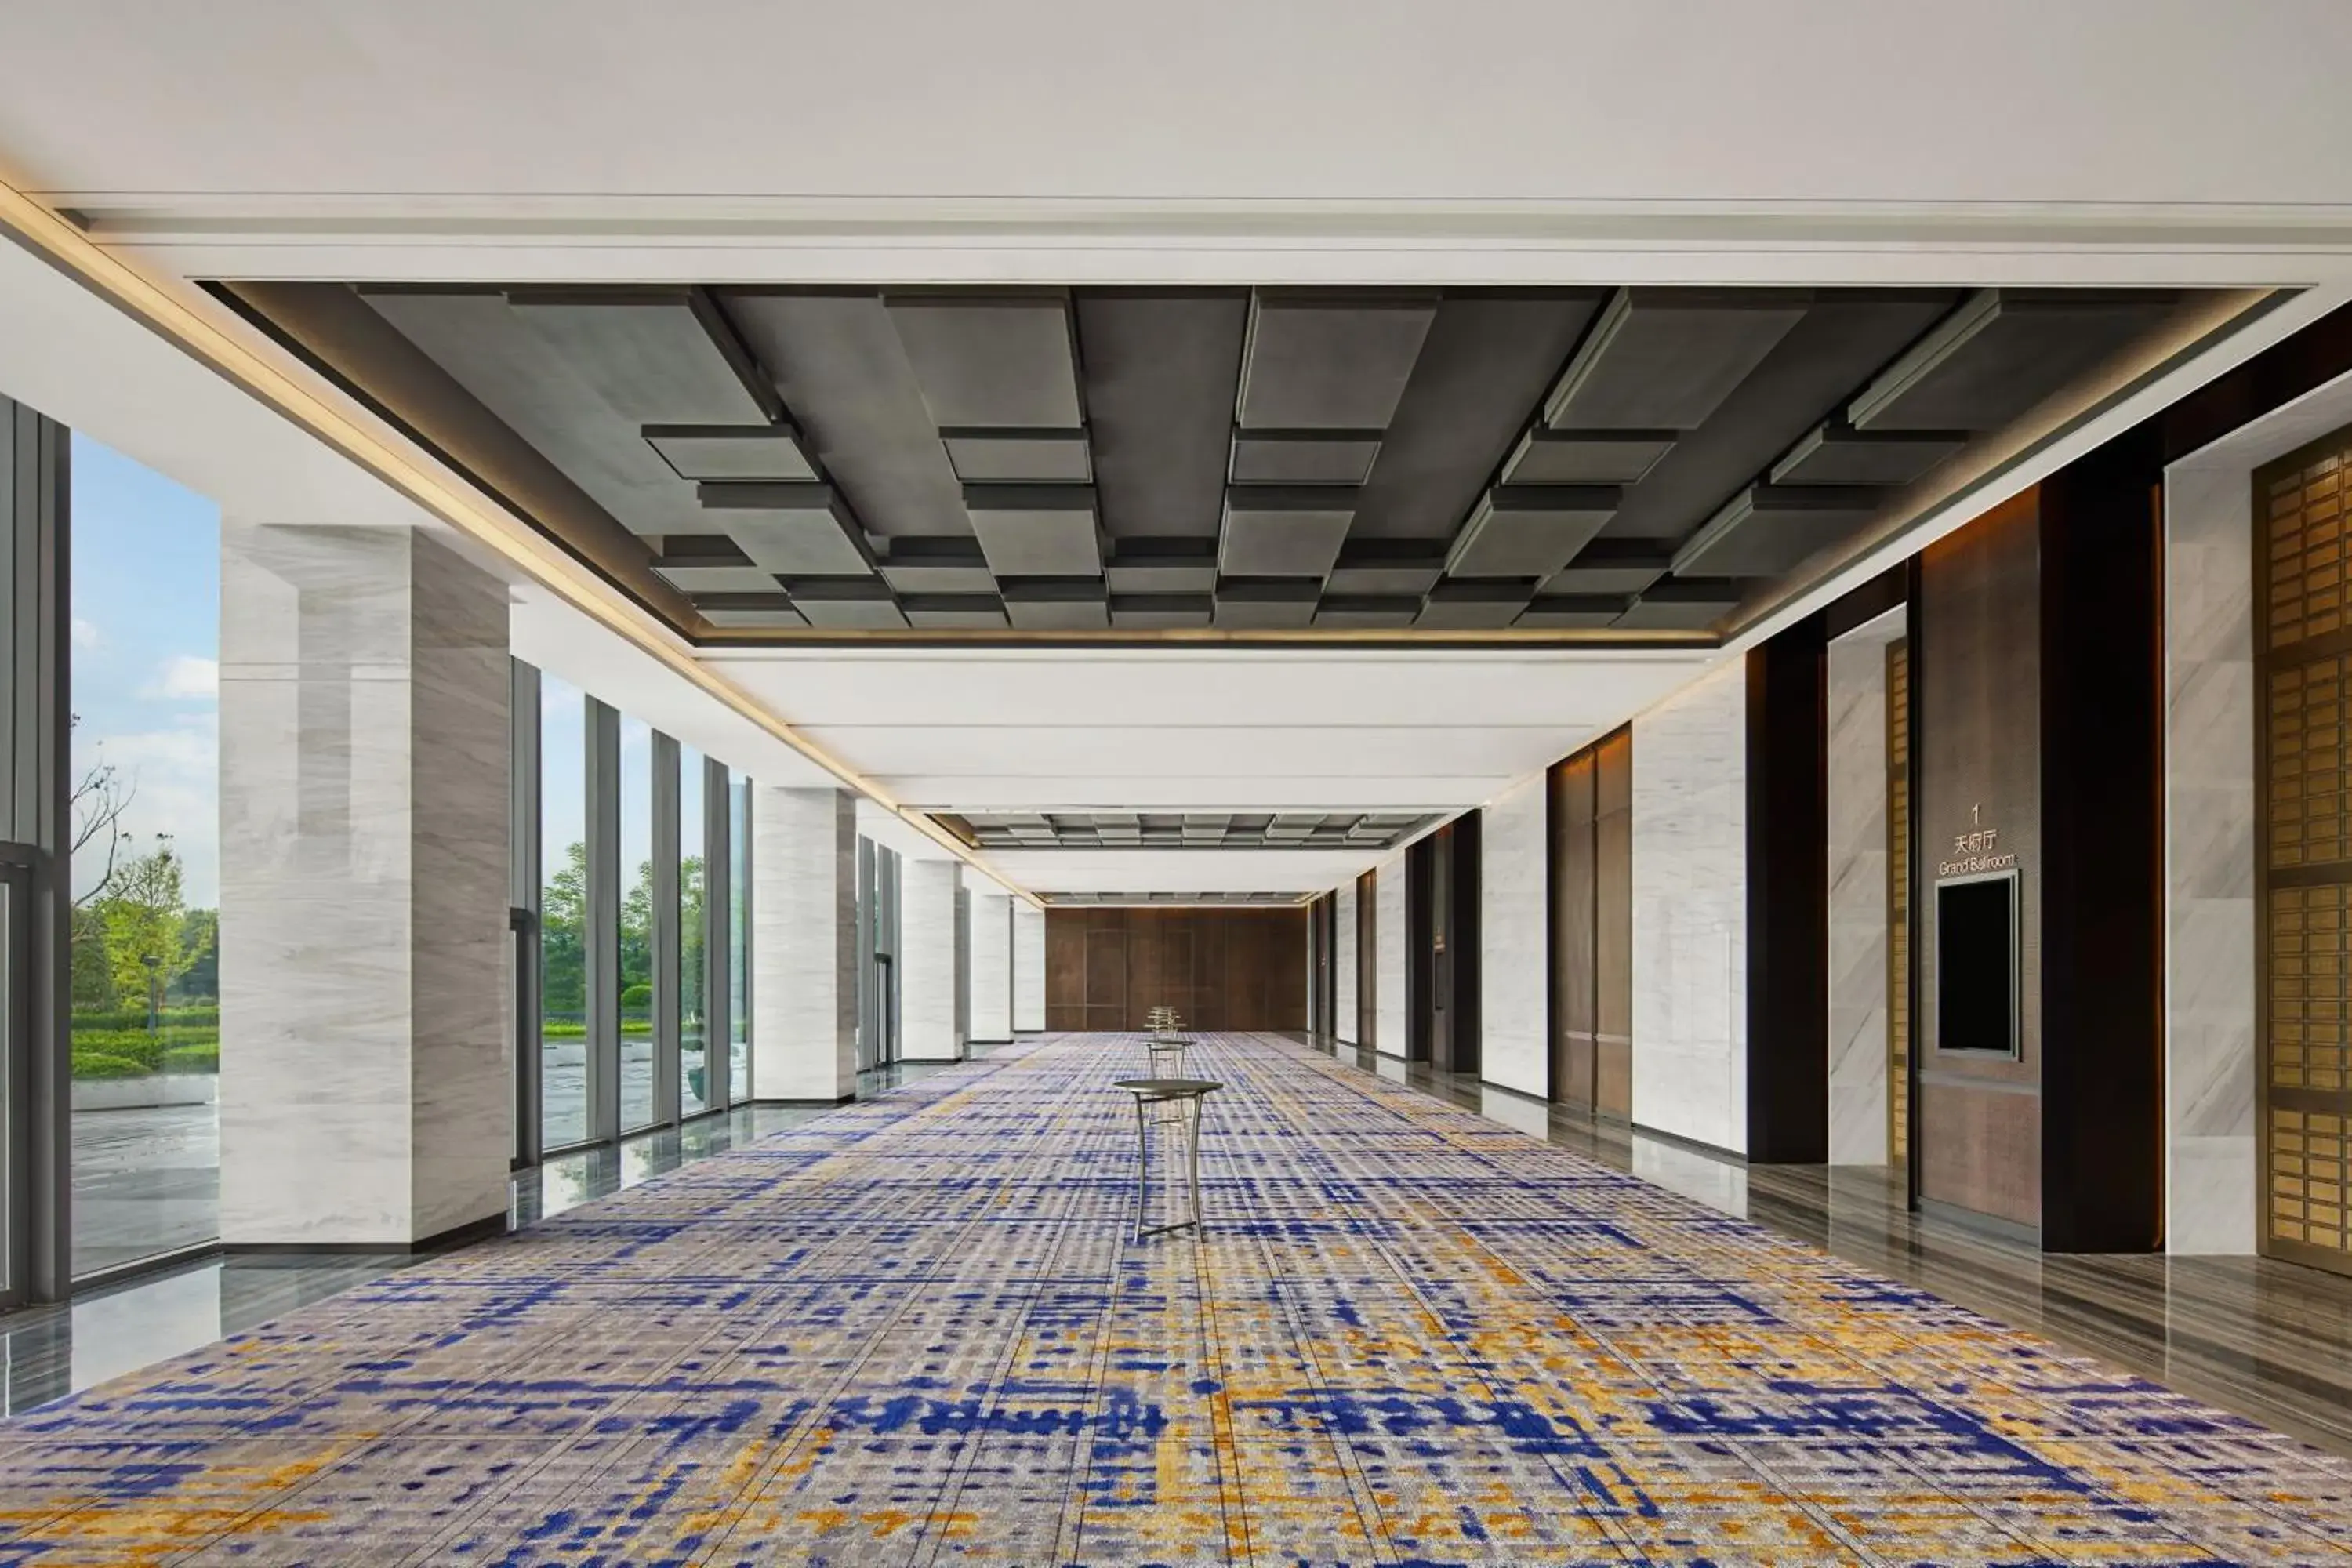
x: 2211, y: 1059
x: 1513, y: 921
x: 1028, y: 968
x: 991, y: 965
x: 804, y: 943
x: 930, y: 960
x: 1857, y: 907
x: 1389, y: 1031
x: 1690, y: 913
x: 1343, y: 964
x: 365, y: 1094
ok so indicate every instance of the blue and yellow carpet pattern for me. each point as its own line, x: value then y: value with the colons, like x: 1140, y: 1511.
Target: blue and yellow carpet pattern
x: 917, y: 1332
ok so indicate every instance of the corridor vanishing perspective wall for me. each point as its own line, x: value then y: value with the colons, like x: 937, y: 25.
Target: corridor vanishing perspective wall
x: 1220, y: 969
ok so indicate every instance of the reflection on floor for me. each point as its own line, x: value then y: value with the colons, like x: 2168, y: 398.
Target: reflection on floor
x: 918, y: 1327
x: 2264, y: 1339
x: 46, y: 1352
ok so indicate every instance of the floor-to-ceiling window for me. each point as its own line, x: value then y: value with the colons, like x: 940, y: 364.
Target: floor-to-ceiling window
x: 563, y: 913
x: 637, y: 1109
x: 693, y: 1028
x: 738, y: 937
x: 146, y: 863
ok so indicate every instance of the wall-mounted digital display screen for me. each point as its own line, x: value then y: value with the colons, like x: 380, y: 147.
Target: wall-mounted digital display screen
x: 1975, y: 966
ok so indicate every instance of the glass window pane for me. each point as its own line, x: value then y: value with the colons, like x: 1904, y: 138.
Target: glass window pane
x: 146, y: 863
x: 636, y: 924
x: 693, y: 1093
x: 563, y: 913
x: 738, y: 937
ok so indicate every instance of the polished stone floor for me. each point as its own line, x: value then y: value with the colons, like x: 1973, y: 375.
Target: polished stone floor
x: 920, y: 1328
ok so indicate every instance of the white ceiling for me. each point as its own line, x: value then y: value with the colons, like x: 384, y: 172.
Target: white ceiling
x: 1170, y: 728
x: 2123, y: 140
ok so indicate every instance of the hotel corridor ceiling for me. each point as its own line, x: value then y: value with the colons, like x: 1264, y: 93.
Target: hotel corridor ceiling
x: 815, y: 463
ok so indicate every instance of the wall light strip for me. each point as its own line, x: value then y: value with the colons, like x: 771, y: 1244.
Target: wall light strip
x: 196, y: 324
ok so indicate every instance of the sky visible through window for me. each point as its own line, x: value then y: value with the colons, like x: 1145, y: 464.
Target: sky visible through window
x: 146, y: 654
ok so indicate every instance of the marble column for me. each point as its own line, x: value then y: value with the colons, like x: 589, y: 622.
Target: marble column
x: 1343, y: 964
x: 2212, y: 1061
x: 1858, y: 937
x: 931, y: 961
x: 365, y: 1091
x: 1514, y: 977
x: 1690, y: 913
x: 1390, y: 1033
x: 991, y: 965
x: 804, y: 943
x: 1028, y: 968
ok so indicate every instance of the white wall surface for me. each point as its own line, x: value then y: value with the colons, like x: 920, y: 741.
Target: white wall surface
x: 1388, y: 947
x: 1028, y: 968
x: 1513, y: 923
x: 1343, y: 962
x: 991, y: 965
x: 1690, y: 913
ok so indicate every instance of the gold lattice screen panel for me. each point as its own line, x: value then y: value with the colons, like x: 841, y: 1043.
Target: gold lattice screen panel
x: 2306, y: 831
x: 1898, y: 900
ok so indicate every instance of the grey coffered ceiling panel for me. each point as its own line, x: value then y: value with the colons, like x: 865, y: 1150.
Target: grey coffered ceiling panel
x: 1665, y: 359
x: 1266, y: 603
x: 1846, y: 336
x: 694, y: 576
x: 662, y: 356
x: 1329, y: 361
x: 750, y: 612
x: 1036, y: 531
x: 1162, y: 566
x: 954, y: 612
x: 1431, y: 460
x: 1530, y: 531
x: 756, y: 452
x: 1612, y: 566
x: 993, y: 360
x: 1559, y: 611
x: 1837, y: 454
x: 953, y: 565
x: 838, y: 362
x: 1284, y: 530
x: 475, y: 335
x: 795, y: 530
x: 1476, y: 603
x: 1057, y: 604
x: 2001, y: 354
x: 1586, y: 457
x: 1367, y: 611
x: 846, y: 603
x: 1381, y: 566
x: 1188, y: 830
x: 1767, y: 530
x: 1161, y: 612
x: 1034, y: 456
x: 1161, y: 371
x: 1682, y: 605
x: 1487, y: 358
x: 1304, y: 457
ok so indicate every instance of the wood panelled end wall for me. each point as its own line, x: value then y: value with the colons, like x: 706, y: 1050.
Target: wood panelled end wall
x: 1220, y: 969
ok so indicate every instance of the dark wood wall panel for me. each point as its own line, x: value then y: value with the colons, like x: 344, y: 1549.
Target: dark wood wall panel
x: 1788, y: 897
x: 1220, y: 969
x: 1976, y: 661
x: 1613, y: 930
x: 1368, y: 927
x: 1569, y: 830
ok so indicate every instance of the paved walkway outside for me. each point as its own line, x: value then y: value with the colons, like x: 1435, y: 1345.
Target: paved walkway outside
x: 915, y: 1331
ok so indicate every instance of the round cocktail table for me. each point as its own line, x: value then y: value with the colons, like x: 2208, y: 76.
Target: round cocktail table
x: 1185, y: 1096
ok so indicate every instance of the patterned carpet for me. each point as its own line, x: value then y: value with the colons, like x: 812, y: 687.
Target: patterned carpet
x: 917, y: 1332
